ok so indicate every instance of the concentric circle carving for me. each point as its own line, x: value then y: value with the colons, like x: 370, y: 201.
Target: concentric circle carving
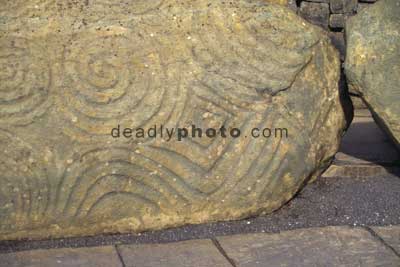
x: 112, y: 78
x: 25, y: 79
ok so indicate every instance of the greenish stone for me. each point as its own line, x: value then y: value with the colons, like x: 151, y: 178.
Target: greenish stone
x: 373, y: 62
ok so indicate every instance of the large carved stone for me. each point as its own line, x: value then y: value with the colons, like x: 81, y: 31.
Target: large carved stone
x: 373, y: 62
x: 74, y: 70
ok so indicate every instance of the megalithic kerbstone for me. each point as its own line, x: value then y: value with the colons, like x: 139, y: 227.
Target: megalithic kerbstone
x: 74, y: 70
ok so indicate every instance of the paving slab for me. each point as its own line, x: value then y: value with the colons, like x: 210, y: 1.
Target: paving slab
x: 362, y: 112
x: 330, y: 246
x: 366, y: 143
x: 359, y: 171
x: 390, y: 235
x: 67, y: 257
x: 366, y: 151
x: 195, y: 253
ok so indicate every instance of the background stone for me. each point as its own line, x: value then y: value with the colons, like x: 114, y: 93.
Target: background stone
x: 373, y: 62
x: 317, y: 13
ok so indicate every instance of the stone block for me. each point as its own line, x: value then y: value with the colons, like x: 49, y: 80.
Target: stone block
x: 316, y: 13
x: 337, y: 21
x: 343, y: 6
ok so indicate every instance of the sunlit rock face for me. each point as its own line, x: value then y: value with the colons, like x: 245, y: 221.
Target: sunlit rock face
x: 373, y: 62
x: 74, y: 73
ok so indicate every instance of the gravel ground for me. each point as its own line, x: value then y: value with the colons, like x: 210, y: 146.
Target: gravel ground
x: 328, y: 201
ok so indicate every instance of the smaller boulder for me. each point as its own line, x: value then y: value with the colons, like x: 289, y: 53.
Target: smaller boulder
x: 373, y: 62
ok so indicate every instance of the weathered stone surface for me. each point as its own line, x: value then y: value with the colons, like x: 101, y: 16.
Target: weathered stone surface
x: 373, y: 61
x: 343, y: 6
x: 361, y: 6
x: 319, y: 1
x: 316, y: 13
x: 390, y: 235
x: 77, y: 69
x: 337, y: 21
x: 67, y: 257
x: 329, y: 246
x: 199, y: 253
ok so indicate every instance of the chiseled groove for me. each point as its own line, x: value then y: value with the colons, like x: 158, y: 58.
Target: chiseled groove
x: 181, y: 158
x: 30, y: 186
x: 227, y: 149
x: 222, y: 188
x: 77, y: 111
x: 187, y: 191
x: 88, y: 154
x: 20, y: 117
x: 218, y: 105
x: 281, y: 167
x: 120, y: 176
x: 327, y: 113
x: 82, y: 176
x: 11, y: 89
x: 267, y: 169
x: 255, y: 161
x: 116, y: 193
x: 204, y: 83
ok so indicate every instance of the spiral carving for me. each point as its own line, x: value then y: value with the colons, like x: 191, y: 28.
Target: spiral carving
x: 112, y: 79
x: 25, y: 79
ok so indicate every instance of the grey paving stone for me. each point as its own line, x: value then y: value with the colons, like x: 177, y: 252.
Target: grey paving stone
x: 195, y: 253
x: 365, y: 143
x: 330, y: 246
x: 362, y: 112
x: 78, y: 257
x: 359, y: 171
x: 391, y: 235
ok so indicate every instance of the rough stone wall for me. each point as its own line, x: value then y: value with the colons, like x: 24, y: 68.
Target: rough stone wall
x: 330, y: 15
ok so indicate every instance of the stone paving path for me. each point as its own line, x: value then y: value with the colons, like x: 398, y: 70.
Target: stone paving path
x: 328, y: 246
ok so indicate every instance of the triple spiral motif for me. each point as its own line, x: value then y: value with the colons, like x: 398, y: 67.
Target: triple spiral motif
x: 114, y: 80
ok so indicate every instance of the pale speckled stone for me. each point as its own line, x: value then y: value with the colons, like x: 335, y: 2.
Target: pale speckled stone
x: 73, y: 70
